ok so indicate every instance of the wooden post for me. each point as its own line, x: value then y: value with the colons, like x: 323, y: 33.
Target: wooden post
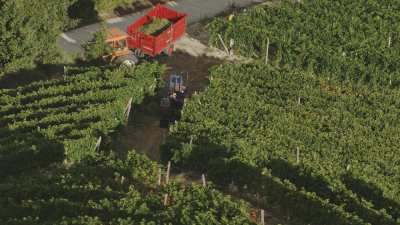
x: 65, y: 72
x: 191, y: 141
x: 262, y: 217
x: 299, y: 101
x: 165, y: 199
x: 203, y: 179
x: 223, y: 44
x: 231, y: 43
x: 389, y: 41
x: 128, y: 109
x: 297, y: 155
x: 168, y: 171
x: 267, y: 52
x: 159, y: 176
x: 98, y: 143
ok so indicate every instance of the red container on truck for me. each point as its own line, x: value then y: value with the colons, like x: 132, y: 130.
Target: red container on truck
x: 153, y: 45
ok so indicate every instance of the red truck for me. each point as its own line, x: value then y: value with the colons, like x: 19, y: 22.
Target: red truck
x: 127, y: 47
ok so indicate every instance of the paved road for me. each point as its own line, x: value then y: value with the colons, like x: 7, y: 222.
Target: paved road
x: 197, y: 10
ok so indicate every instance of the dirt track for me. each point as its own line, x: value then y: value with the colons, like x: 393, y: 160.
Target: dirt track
x: 143, y: 132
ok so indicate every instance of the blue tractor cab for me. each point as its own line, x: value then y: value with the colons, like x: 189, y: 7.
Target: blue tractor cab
x: 176, y: 83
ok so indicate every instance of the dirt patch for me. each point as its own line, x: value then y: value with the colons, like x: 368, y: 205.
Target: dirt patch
x: 144, y: 135
x: 196, y: 48
x: 143, y: 132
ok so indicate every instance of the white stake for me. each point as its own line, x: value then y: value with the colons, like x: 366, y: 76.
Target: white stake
x: 223, y: 44
x: 165, y: 199
x: 297, y: 155
x: 203, y: 179
x: 267, y: 52
x: 98, y: 143
x: 65, y: 72
x: 159, y: 176
x: 191, y: 141
x: 262, y: 217
x: 128, y: 109
x: 168, y: 171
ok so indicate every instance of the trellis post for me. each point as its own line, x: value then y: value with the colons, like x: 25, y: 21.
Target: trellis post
x: 168, y: 171
x: 203, y: 179
x: 65, y: 72
x: 191, y: 141
x: 231, y: 43
x: 159, y: 176
x: 98, y: 143
x: 267, y: 52
x: 223, y: 44
x: 262, y: 217
x: 165, y: 199
x: 297, y: 155
x: 128, y: 109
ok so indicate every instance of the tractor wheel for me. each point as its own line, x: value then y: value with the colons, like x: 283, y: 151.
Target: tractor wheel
x: 128, y: 60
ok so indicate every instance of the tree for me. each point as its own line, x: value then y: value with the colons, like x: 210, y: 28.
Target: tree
x: 28, y: 32
x: 98, y: 47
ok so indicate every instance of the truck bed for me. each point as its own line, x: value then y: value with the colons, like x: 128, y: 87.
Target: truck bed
x: 155, y: 44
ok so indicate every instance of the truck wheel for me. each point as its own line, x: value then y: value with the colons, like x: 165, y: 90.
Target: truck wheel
x: 128, y: 60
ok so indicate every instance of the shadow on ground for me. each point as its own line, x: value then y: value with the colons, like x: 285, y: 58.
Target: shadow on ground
x: 84, y: 11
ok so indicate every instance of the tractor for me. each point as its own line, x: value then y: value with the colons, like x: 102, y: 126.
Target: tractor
x: 120, y: 54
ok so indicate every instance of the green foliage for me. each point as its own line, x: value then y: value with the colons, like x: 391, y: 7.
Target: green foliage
x: 249, y: 123
x: 345, y: 40
x: 97, y: 48
x: 107, y: 190
x: 105, y: 5
x: 29, y: 30
x: 77, y: 110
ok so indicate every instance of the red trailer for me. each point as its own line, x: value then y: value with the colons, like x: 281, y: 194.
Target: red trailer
x: 163, y: 42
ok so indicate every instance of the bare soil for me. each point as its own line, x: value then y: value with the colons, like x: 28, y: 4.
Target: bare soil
x: 143, y: 132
